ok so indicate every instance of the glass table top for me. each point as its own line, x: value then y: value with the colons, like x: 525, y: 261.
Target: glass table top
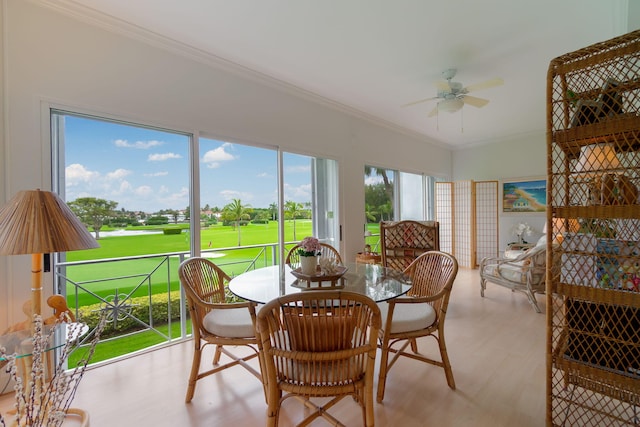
x: 264, y: 284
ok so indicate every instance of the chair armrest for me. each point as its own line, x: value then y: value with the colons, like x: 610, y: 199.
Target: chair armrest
x: 225, y: 305
x: 418, y: 300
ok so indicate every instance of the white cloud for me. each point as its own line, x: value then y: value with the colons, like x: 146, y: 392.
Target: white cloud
x: 263, y: 175
x: 125, y: 187
x: 298, y: 169
x: 372, y: 180
x: 118, y: 174
x: 161, y: 157
x: 164, y: 173
x: 180, y: 198
x: 142, y: 145
x: 143, y: 191
x: 77, y: 173
x: 212, y: 158
x: 229, y: 195
x: 302, y: 192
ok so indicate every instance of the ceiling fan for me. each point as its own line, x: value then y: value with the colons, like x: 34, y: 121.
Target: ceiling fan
x: 453, y: 95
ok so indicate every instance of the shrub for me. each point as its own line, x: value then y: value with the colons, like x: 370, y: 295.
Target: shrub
x: 140, y: 309
x: 171, y: 230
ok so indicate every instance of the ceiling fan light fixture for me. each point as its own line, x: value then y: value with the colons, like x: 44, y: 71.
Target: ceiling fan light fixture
x: 450, y: 105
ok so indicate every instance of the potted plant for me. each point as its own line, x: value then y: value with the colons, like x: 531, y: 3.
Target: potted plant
x: 309, y: 250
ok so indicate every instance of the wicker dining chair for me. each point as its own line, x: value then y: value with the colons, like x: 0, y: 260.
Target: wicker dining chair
x: 214, y: 320
x: 326, y: 251
x: 319, y: 344
x: 421, y: 313
x: 403, y: 241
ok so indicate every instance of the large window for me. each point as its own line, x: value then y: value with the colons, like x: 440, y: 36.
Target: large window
x: 153, y: 197
x: 395, y: 195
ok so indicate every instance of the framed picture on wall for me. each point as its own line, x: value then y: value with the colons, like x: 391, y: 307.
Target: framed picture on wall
x: 527, y: 195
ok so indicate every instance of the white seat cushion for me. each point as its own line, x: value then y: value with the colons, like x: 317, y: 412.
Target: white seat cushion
x: 232, y: 323
x: 408, y: 317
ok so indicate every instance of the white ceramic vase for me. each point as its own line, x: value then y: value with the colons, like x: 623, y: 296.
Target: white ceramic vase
x: 308, y: 265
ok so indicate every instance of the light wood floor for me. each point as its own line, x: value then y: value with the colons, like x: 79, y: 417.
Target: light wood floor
x: 497, y: 350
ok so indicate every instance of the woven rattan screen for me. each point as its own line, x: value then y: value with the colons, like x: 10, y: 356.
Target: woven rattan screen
x: 467, y: 212
x: 486, y: 220
x: 593, y: 279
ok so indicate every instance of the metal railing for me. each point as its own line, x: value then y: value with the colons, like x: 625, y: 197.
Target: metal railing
x: 142, y: 296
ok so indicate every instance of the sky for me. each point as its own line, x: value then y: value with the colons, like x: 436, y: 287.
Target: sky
x: 148, y: 169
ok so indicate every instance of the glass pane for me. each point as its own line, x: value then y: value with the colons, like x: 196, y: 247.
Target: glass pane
x: 130, y: 186
x: 411, y: 196
x: 239, y: 204
x: 379, y: 202
x: 139, y: 177
x: 310, y: 194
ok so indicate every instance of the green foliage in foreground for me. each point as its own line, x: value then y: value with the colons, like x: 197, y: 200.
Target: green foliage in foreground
x: 137, y: 310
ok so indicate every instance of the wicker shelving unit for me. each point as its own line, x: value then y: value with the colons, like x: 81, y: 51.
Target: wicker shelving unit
x: 593, y: 279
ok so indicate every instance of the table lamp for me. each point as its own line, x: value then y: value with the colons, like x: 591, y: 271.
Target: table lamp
x: 37, y: 222
x: 595, y: 161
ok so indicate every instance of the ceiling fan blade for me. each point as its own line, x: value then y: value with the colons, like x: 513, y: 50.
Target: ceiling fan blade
x: 443, y: 86
x: 475, y: 101
x: 485, y: 85
x: 433, y: 112
x: 419, y: 102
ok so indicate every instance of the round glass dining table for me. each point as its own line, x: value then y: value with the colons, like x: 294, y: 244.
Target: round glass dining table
x: 375, y: 281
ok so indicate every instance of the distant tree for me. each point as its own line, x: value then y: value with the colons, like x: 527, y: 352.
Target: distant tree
x: 187, y: 213
x: 273, y: 208
x: 370, y: 213
x: 236, y: 211
x: 93, y: 212
x: 388, y: 184
x: 293, y: 210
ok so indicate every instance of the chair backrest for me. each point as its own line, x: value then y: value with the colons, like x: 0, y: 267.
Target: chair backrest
x: 432, y: 274
x: 203, y: 282
x: 403, y: 241
x: 326, y: 251
x: 314, y: 341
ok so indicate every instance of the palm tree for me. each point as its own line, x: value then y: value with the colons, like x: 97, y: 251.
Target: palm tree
x: 370, y: 213
x: 293, y: 210
x: 273, y: 208
x: 388, y: 184
x: 236, y: 212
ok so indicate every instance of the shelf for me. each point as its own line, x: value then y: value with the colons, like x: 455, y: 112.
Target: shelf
x: 624, y: 131
x: 597, y: 211
x: 593, y: 297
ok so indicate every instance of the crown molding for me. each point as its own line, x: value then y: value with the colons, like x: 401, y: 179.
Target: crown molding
x: 115, y: 25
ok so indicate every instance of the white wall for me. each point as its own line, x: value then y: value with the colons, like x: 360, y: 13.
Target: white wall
x: 520, y: 157
x: 54, y: 59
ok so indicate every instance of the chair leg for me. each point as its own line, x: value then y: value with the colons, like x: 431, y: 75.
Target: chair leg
x: 445, y: 361
x: 533, y: 301
x: 483, y: 286
x: 195, y: 368
x: 414, y: 345
x: 218, y: 353
x: 382, y: 376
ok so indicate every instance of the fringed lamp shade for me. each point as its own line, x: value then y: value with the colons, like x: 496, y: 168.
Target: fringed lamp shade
x: 37, y: 222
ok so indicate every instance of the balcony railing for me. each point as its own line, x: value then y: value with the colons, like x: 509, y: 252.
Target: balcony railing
x: 142, y: 296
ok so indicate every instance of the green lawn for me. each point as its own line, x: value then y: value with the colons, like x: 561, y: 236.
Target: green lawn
x: 133, y: 272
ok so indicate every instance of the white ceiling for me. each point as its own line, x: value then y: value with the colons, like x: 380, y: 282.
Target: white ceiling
x: 373, y: 56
